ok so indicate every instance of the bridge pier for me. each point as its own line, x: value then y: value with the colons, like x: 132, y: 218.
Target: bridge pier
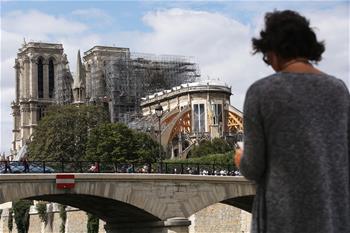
x: 172, y: 225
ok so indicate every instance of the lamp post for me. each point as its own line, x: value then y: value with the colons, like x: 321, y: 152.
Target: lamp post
x: 159, y: 114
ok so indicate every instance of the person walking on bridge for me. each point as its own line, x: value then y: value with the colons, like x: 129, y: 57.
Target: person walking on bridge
x: 296, y: 134
x: 6, y: 161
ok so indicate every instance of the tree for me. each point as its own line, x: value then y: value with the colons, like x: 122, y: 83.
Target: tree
x: 111, y: 142
x: 63, y: 133
x: 216, y: 146
x: 21, y: 211
x: 117, y: 143
x: 220, y: 145
x: 147, y: 149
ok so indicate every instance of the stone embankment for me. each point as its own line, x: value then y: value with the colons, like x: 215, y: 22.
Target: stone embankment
x: 217, y: 218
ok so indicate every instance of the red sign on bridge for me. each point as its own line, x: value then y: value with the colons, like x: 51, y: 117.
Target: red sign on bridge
x: 65, y: 181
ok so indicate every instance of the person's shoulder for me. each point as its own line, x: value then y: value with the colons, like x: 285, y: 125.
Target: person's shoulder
x: 331, y: 82
x: 338, y: 82
x: 262, y: 83
x: 280, y: 77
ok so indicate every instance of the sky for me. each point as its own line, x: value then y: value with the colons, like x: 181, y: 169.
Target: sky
x: 216, y: 34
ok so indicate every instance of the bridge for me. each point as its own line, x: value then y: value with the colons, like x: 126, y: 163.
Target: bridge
x: 134, y: 203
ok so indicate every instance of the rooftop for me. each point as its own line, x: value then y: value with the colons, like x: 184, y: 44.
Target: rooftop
x: 109, y: 49
x: 40, y: 45
x: 205, y: 85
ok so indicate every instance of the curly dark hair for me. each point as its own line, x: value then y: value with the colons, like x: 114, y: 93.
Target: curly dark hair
x: 289, y: 35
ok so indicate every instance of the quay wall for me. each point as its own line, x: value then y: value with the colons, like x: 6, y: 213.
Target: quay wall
x: 217, y: 218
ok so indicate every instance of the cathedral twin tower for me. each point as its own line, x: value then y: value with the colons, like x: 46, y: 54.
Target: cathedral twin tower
x: 38, y: 66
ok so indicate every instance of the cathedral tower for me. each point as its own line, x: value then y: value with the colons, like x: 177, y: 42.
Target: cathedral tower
x: 37, y: 66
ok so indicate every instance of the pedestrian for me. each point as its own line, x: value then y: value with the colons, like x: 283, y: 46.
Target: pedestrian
x: 130, y: 169
x: 2, y: 161
x: 95, y: 167
x: 25, y: 164
x: 296, y: 134
x: 6, y: 161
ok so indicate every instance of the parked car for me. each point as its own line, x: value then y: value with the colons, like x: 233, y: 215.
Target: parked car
x: 18, y: 167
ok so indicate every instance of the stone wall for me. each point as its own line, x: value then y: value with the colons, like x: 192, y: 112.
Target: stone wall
x: 76, y: 221
x: 220, y: 218
x: 217, y: 218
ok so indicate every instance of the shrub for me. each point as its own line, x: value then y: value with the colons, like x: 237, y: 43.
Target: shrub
x: 21, y: 212
x: 92, y: 223
x: 224, y: 159
x: 41, y: 208
x: 216, y: 146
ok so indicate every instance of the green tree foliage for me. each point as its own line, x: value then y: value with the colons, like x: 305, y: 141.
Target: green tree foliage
x: 42, y: 212
x: 111, y: 142
x: 117, y: 143
x: 215, y: 146
x: 92, y: 223
x: 21, y: 212
x: 146, y: 148
x: 223, y: 159
x: 63, y: 132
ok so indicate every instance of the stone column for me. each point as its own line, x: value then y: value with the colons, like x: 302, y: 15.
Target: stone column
x: 180, y: 145
x: 172, y: 225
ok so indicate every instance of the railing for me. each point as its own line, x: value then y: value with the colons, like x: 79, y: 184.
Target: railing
x: 113, y: 167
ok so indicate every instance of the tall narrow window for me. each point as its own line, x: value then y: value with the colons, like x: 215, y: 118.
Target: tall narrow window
x: 40, y: 78
x: 217, y: 113
x: 51, y: 78
x: 41, y: 111
x: 199, y: 118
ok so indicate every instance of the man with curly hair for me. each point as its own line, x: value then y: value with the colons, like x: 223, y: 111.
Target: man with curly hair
x: 296, y: 134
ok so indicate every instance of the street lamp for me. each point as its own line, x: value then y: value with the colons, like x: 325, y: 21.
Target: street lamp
x: 159, y: 114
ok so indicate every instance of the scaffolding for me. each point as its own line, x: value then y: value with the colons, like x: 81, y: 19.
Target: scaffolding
x: 63, y: 84
x: 126, y: 77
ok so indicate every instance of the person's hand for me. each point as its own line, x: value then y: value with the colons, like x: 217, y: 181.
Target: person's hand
x: 237, y: 158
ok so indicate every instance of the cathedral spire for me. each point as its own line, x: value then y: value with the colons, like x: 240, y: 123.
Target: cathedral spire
x: 79, y: 81
x: 79, y: 73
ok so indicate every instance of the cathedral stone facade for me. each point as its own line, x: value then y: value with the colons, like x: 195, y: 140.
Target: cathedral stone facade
x: 38, y: 65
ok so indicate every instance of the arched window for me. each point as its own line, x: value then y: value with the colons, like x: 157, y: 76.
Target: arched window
x: 51, y: 78
x: 40, y: 78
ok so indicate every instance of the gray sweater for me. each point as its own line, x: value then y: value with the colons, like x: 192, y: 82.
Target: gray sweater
x: 296, y: 148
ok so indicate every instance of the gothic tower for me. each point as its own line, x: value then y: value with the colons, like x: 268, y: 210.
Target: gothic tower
x: 37, y: 66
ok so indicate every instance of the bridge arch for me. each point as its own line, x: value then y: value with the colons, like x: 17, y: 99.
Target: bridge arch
x: 109, y: 210
x: 148, y: 197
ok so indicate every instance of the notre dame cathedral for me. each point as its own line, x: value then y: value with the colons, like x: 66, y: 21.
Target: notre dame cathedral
x: 109, y: 75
